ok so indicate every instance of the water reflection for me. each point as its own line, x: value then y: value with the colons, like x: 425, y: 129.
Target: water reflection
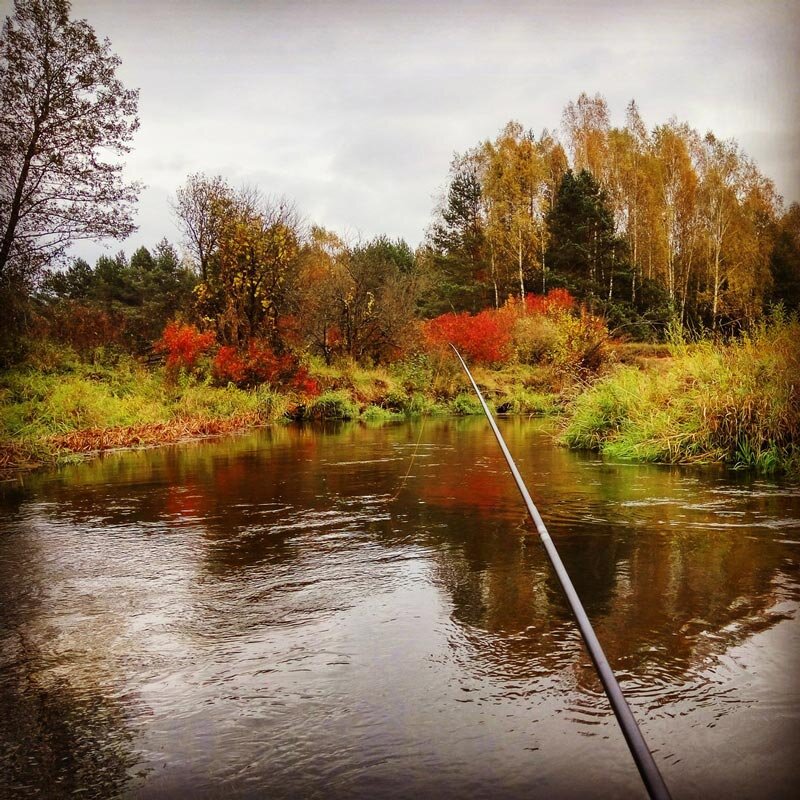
x: 281, y: 612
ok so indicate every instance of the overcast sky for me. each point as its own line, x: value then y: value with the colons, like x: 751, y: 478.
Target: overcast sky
x: 354, y: 109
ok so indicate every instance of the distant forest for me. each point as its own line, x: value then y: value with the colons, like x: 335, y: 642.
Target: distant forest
x: 644, y: 227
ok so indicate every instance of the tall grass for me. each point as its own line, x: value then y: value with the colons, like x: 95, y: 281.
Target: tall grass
x: 57, y: 401
x: 737, y: 403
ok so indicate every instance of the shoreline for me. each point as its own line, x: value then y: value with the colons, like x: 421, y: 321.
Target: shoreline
x: 63, y: 449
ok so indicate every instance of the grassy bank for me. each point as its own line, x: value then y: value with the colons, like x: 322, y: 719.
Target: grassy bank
x: 737, y: 404
x: 57, y: 406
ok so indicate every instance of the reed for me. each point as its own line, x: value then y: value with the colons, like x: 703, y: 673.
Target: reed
x: 736, y: 403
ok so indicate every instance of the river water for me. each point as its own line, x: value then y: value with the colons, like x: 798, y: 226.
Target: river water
x: 283, y: 614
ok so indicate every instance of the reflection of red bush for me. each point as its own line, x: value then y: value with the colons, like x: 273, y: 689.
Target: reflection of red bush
x: 482, y: 492
x: 183, y: 345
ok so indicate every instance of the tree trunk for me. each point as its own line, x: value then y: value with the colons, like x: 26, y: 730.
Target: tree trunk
x: 16, y: 203
x: 494, y: 279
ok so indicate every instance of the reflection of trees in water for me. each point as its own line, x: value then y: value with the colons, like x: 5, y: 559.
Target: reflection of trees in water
x: 665, y: 560
x: 664, y: 588
x: 64, y: 732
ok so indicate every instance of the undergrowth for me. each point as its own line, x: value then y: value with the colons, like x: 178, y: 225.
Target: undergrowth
x: 736, y: 403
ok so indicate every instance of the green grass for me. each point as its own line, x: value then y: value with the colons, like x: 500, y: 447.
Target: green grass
x: 60, y: 395
x: 373, y: 413
x: 333, y: 405
x: 465, y: 404
x: 524, y: 401
x: 737, y: 403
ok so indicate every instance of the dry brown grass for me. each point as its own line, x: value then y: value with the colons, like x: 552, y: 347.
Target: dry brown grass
x: 89, y: 441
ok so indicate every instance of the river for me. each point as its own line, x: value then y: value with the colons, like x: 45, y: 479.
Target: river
x: 365, y: 612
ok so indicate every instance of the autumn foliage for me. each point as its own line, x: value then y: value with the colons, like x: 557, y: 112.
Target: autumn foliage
x: 259, y: 364
x: 481, y: 338
x: 554, y: 300
x: 489, y: 337
x: 183, y: 344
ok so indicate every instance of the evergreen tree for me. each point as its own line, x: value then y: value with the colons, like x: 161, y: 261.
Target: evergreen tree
x: 584, y: 252
x: 785, y: 261
x: 458, y: 243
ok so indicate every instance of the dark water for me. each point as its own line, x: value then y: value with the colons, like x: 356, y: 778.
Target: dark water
x: 260, y: 617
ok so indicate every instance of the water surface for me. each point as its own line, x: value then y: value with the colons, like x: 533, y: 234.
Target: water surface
x: 282, y: 614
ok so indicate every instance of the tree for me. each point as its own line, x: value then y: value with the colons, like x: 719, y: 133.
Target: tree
x: 458, y: 240
x: 586, y: 124
x: 678, y: 221
x: 200, y: 206
x: 321, y: 284
x: 65, y: 120
x: 583, y: 245
x: 162, y: 288
x: 249, y: 275
x: 377, y: 299
x: 514, y: 180
x: 785, y: 260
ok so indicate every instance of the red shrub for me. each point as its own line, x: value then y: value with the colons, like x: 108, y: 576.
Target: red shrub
x: 482, y: 338
x: 263, y: 366
x: 554, y: 300
x: 259, y: 364
x: 303, y: 383
x: 229, y: 366
x: 183, y: 345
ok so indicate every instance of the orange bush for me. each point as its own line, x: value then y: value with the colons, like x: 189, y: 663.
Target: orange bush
x: 554, y: 300
x: 229, y: 366
x: 546, y: 328
x: 480, y: 338
x: 260, y: 364
x: 183, y: 345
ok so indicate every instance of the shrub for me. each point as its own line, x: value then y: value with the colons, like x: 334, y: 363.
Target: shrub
x: 229, y: 366
x: 481, y: 338
x: 183, y: 344
x: 466, y: 404
x: 535, y: 338
x: 373, y: 413
x: 333, y: 405
x: 543, y: 329
x: 258, y: 365
x: 554, y: 300
x: 558, y: 336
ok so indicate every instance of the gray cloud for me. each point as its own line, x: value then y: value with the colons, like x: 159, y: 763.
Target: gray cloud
x: 354, y: 109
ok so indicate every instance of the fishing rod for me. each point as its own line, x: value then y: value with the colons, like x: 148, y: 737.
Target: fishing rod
x: 645, y: 763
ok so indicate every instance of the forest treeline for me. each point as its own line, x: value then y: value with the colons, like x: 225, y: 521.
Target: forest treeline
x: 660, y: 223
x: 643, y: 227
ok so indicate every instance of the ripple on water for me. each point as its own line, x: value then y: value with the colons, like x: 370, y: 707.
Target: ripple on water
x: 265, y: 624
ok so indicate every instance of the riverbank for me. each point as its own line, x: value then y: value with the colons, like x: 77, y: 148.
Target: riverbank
x: 58, y: 408
x: 737, y: 404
